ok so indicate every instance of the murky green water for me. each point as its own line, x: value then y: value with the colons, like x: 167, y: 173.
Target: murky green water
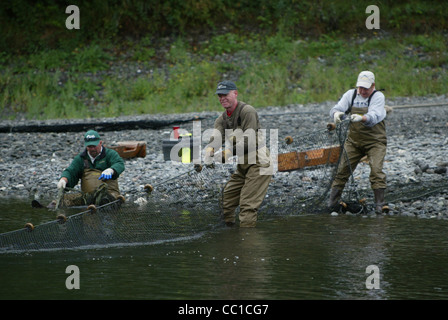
x: 305, y: 257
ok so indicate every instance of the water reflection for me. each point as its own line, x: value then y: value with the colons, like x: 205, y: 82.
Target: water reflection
x: 305, y: 257
x: 242, y: 263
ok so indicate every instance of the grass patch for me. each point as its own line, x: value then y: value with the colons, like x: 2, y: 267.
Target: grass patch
x: 270, y: 70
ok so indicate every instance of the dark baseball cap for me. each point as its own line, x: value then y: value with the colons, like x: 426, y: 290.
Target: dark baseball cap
x: 224, y: 87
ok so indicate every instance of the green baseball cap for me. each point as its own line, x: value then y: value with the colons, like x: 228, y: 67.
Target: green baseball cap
x: 91, y: 138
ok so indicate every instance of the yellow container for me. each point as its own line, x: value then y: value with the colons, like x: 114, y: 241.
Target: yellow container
x: 186, y: 152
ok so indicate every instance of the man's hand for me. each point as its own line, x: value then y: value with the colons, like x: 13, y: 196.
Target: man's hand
x: 356, y: 118
x: 226, y: 154
x: 209, y: 153
x: 337, y: 116
x: 107, y: 174
x: 62, y: 183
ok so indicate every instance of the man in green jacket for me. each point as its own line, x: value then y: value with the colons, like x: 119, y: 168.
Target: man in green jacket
x: 237, y: 132
x: 98, y: 168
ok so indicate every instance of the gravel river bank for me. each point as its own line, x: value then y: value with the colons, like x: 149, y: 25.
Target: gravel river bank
x: 31, y: 163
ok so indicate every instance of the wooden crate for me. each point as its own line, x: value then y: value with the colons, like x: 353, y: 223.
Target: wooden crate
x: 297, y: 160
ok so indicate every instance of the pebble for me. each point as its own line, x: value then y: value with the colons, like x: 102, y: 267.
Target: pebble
x: 31, y: 163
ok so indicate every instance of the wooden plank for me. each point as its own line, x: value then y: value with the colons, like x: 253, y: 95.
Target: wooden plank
x: 288, y: 161
x: 297, y: 160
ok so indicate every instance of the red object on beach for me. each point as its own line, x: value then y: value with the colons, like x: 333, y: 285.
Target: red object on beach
x: 176, y: 132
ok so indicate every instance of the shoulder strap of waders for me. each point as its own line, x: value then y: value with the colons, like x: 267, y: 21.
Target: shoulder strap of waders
x: 239, y: 116
x: 370, y: 98
x: 353, y: 100
x: 354, y: 96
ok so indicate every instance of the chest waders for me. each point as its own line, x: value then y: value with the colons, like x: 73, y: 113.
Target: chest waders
x: 93, y: 191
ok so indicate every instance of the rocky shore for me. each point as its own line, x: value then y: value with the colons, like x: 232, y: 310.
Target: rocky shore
x: 31, y: 163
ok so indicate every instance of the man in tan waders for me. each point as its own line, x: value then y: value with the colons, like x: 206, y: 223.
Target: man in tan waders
x: 367, y: 137
x: 237, y: 132
x: 98, y: 168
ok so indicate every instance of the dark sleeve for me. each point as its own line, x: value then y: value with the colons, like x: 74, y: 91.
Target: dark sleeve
x: 116, y: 162
x: 74, y: 171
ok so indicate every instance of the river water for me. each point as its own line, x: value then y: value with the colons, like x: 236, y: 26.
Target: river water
x: 298, y: 257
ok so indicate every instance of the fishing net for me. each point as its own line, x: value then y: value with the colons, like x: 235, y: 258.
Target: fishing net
x: 306, y: 167
x: 189, y: 204
x: 186, y: 205
x: 180, y: 208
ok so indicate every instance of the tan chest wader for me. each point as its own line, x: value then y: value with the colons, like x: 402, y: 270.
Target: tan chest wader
x: 363, y: 141
x: 247, y: 187
x: 94, y: 191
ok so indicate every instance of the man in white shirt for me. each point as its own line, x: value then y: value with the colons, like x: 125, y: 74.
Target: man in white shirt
x: 367, y: 137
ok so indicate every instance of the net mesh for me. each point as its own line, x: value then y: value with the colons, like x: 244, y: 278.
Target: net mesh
x: 186, y: 206
x: 180, y: 208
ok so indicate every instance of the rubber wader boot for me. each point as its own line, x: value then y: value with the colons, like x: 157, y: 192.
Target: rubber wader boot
x: 335, y: 196
x: 380, y: 206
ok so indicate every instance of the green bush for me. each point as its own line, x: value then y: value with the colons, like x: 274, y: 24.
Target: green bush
x: 28, y: 27
x: 278, y: 52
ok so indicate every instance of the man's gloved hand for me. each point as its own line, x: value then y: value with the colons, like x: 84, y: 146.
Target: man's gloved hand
x: 106, y: 174
x: 226, y: 154
x: 208, y: 156
x: 337, y: 116
x: 62, y: 183
x: 355, y: 118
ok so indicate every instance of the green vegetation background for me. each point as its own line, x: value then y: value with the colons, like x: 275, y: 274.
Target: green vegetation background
x: 135, y: 57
